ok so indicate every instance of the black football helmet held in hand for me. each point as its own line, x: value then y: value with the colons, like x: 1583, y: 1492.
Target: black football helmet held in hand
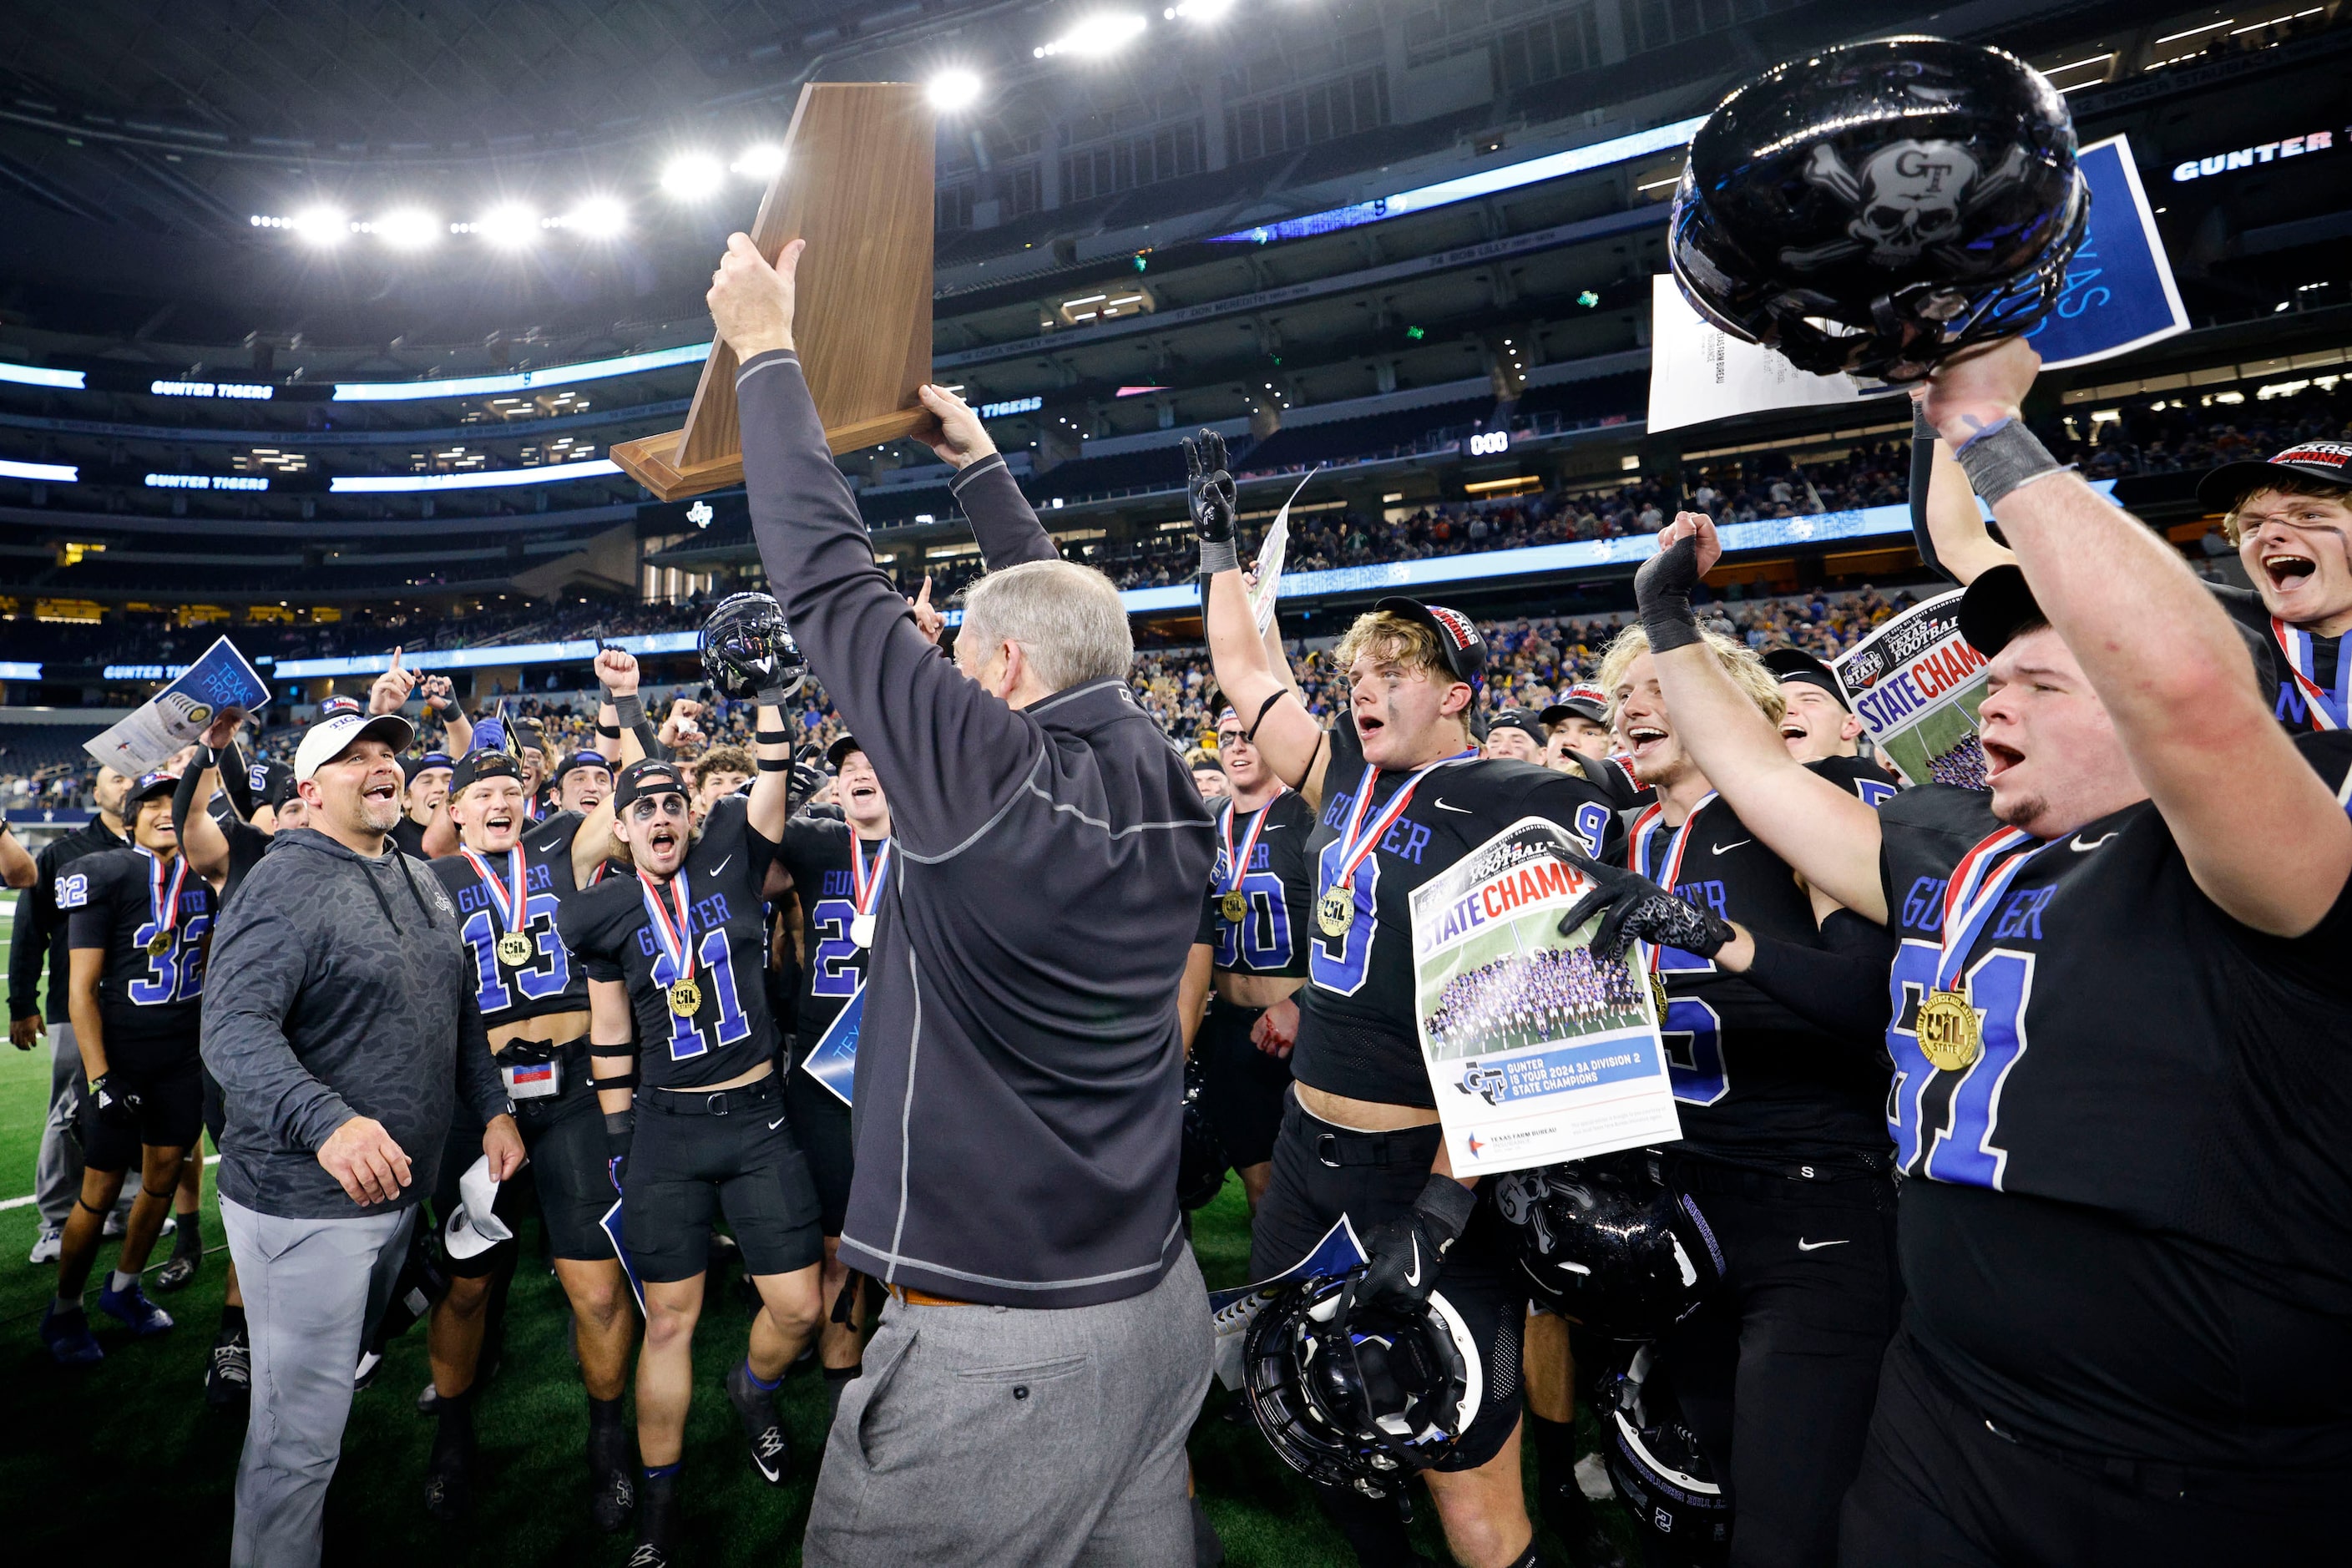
x: 1606, y: 1243
x: 1660, y: 1472
x: 1201, y: 1158
x: 1359, y: 1399
x: 1875, y: 208
x: 748, y: 649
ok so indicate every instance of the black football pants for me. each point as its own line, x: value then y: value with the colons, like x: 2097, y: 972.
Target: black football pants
x: 1778, y: 1371
x: 1939, y: 1487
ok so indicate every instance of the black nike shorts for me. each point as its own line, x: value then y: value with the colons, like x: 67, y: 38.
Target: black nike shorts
x: 686, y: 1166
x: 1322, y: 1172
x: 1243, y: 1088
x: 820, y: 1122
x: 171, y: 1113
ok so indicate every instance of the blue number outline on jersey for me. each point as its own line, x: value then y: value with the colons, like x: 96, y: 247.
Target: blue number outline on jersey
x: 1267, y: 912
x: 481, y: 933
x: 833, y: 969
x: 176, y: 975
x: 1701, y: 1079
x: 1873, y: 793
x: 1592, y: 824
x: 717, y: 976
x: 73, y: 891
x: 1342, y: 969
x: 1961, y: 1151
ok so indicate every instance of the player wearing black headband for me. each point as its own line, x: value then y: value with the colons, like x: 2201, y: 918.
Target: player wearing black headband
x: 140, y: 926
x: 674, y: 957
x: 427, y: 792
x: 1400, y: 795
x: 508, y: 879
x: 1816, y: 721
x: 2118, y: 1009
x: 839, y: 870
x: 583, y: 781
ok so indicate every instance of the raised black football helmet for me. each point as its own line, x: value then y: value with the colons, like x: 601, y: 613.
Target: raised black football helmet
x: 1660, y: 1472
x: 1356, y: 1396
x: 1201, y: 1158
x: 748, y: 649
x: 1875, y: 208
x: 1605, y: 1242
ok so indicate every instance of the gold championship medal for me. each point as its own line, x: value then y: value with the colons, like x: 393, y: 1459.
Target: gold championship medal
x: 1336, y: 911
x: 1950, y: 1035
x: 1658, y: 995
x: 160, y: 944
x: 514, y: 949
x: 686, y: 999
x: 1234, y: 906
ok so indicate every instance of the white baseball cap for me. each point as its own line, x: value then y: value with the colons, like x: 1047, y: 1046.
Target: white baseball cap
x: 330, y: 737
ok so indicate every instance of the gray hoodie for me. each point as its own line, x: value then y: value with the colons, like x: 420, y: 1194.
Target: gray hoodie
x: 337, y: 986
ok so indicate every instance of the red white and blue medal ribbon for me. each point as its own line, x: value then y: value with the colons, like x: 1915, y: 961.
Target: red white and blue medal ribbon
x: 1950, y: 1035
x: 164, y: 904
x: 510, y: 896
x: 2329, y: 709
x: 1646, y: 827
x: 671, y: 936
x: 866, y: 887
x: 1336, y: 911
x: 1233, y: 905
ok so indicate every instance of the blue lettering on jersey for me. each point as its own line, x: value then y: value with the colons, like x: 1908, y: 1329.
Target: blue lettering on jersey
x: 837, y: 885
x: 1406, y: 839
x: 1923, y: 906
x: 2021, y: 915
x: 1710, y: 894
x: 2292, y: 709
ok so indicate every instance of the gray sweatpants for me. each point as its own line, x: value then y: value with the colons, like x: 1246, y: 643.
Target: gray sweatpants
x: 57, y: 1175
x: 1059, y: 1436
x: 312, y: 1287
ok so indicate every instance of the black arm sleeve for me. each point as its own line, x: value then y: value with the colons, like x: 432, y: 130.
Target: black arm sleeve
x: 1002, y: 521
x: 1841, y: 987
x: 28, y: 940
x: 650, y: 739
x: 183, y: 801
x: 237, y: 783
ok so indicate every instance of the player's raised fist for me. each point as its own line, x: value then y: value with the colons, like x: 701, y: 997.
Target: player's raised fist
x: 617, y: 671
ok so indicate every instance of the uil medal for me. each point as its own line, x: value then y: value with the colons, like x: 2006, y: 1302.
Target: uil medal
x: 1658, y: 996
x: 861, y: 930
x: 514, y: 949
x: 1234, y: 906
x: 1335, y: 911
x: 160, y: 944
x: 686, y: 999
x: 164, y: 901
x: 1234, y: 903
x: 866, y: 889
x: 1950, y: 1035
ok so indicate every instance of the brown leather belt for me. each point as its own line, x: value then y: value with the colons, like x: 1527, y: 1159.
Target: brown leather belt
x: 914, y: 1298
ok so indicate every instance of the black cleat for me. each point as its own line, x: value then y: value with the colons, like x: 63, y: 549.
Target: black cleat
x: 178, y: 1271
x: 614, y: 1499
x: 772, y: 1453
x: 1570, y: 1516
x: 657, y: 1520
x: 448, y: 1480
x: 228, y: 1375
x: 648, y: 1555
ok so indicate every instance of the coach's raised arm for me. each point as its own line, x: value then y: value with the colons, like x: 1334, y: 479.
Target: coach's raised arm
x: 1018, y: 1075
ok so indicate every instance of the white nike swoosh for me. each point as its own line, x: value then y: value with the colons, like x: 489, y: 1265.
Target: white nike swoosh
x: 779, y: 1121
x: 1462, y: 809
x: 1804, y: 1245
x: 1412, y: 1275
x: 549, y: 848
x: 720, y: 866
x: 1726, y: 848
x: 2079, y: 848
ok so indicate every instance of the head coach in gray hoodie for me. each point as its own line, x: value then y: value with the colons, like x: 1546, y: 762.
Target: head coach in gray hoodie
x: 340, y: 1020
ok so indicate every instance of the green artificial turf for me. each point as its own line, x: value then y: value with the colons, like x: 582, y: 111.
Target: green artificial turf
x: 131, y: 1446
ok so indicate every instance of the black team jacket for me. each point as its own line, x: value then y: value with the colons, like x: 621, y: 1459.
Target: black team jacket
x: 1018, y: 1086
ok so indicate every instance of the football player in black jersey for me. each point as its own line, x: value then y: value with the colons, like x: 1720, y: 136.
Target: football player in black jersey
x: 1516, y: 735
x: 507, y: 881
x: 1259, y: 920
x: 1783, y: 1143
x: 674, y: 957
x: 2117, y: 1032
x: 838, y: 870
x: 583, y: 781
x: 1399, y: 794
x: 1578, y: 722
x: 1816, y: 721
x: 139, y: 926
x: 2291, y: 521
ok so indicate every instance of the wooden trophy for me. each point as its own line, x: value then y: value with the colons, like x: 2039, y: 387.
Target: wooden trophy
x: 856, y: 184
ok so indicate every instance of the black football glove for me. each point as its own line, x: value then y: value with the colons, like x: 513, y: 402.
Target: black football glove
x: 1210, y: 495
x: 1663, y: 588
x: 118, y: 1105
x: 1632, y: 906
x: 619, y: 1132
x: 1403, y: 1255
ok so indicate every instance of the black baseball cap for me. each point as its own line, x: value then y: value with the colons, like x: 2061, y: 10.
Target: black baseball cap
x: 2329, y: 462
x: 1795, y: 664
x: 413, y: 766
x: 1458, y: 641
x: 581, y: 760
x: 527, y: 733
x: 482, y: 765
x: 151, y: 785
x: 648, y: 777
x: 1583, y: 702
x: 840, y: 749
x: 1999, y: 605
x: 1518, y: 718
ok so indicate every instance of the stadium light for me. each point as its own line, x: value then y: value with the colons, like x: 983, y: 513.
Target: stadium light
x: 952, y: 90
x: 763, y: 162
x: 1200, y: 12
x: 405, y: 228
x: 692, y: 176
x: 598, y: 218
x: 509, y: 226
x: 1102, y: 33
x: 320, y: 226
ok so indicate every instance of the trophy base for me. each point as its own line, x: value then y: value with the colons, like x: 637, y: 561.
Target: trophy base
x: 654, y: 461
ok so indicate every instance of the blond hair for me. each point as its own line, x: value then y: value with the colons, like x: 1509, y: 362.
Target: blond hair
x: 1738, y: 660
x: 2282, y: 486
x: 1389, y: 638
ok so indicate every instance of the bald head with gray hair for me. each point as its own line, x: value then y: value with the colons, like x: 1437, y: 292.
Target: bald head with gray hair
x: 1066, y: 619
